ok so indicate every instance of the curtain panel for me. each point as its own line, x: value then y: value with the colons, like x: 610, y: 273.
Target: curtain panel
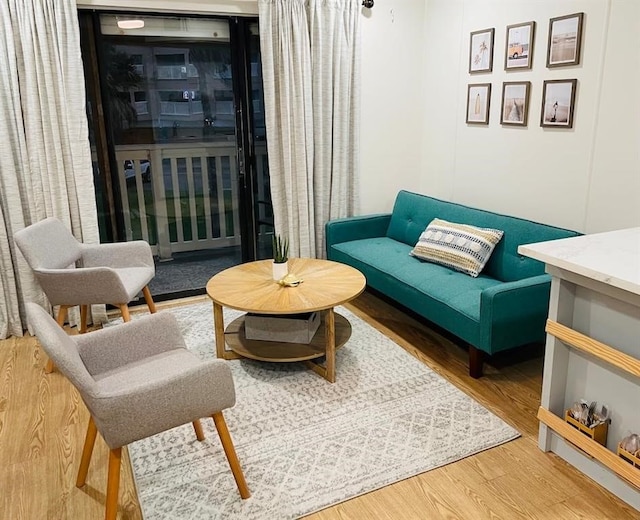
x: 311, y: 73
x: 45, y: 158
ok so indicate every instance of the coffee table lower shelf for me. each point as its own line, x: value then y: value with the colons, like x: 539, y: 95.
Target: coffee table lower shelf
x: 276, y: 351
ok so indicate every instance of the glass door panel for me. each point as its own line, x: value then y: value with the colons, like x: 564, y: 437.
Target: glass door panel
x: 170, y: 106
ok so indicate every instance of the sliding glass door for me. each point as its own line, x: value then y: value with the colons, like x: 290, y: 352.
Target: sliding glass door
x: 178, y: 132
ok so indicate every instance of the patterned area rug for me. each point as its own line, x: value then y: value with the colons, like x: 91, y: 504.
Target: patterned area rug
x: 305, y: 444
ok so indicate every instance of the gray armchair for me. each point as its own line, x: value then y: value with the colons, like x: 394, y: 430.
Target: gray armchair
x: 139, y: 380
x: 72, y: 273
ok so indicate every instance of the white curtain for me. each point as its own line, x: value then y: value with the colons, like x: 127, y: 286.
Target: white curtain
x: 311, y: 72
x: 45, y: 159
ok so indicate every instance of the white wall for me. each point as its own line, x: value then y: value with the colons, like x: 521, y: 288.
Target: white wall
x: 392, y: 102
x: 585, y: 178
x: 614, y: 186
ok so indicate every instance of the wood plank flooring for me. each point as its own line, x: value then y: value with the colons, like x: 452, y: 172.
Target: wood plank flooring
x: 43, y: 422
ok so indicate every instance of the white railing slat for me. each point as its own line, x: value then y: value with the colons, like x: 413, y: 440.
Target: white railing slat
x: 220, y: 192
x: 193, y: 214
x: 206, y: 195
x: 177, y: 207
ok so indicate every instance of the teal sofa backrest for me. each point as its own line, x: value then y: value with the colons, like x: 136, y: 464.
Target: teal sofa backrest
x: 412, y: 213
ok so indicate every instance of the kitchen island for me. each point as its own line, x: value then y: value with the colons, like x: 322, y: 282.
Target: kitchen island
x: 593, y: 351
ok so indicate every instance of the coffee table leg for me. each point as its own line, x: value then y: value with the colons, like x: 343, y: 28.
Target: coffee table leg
x: 328, y: 371
x: 330, y: 335
x: 218, y: 325
x: 221, y: 343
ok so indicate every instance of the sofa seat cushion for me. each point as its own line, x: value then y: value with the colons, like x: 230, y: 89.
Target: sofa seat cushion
x: 454, y: 289
x: 386, y: 256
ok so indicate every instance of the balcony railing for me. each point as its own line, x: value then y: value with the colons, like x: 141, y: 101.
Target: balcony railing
x: 184, y: 197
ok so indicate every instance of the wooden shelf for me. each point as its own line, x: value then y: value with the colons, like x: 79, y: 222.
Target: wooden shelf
x: 611, y: 460
x: 275, y: 351
x: 584, y: 343
x: 614, y: 357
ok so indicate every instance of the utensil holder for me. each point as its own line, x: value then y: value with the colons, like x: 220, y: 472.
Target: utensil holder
x: 598, y: 433
x: 631, y: 458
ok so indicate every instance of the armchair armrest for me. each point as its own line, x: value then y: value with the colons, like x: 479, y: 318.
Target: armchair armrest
x: 517, y: 309
x: 120, y: 345
x: 147, y: 408
x: 117, y: 255
x: 356, y: 228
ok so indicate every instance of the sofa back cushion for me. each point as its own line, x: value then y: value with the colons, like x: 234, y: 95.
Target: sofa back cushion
x: 413, y: 212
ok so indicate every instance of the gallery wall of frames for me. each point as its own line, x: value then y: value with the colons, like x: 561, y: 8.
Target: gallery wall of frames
x: 558, y: 106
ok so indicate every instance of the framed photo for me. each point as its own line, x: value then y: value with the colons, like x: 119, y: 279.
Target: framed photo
x: 515, y: 103
x: 478, y: 100
x: 481, y: 51
x: 558, y: 103
x: 565, y: 38
x: 518, y: 52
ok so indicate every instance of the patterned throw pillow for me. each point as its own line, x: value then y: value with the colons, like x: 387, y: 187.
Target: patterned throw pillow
x: 458, y: 246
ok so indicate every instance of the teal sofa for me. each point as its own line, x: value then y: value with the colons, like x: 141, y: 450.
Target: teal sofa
x: 504, y: 307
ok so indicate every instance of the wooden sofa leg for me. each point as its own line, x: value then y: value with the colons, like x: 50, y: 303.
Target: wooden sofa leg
x: 476, y: 359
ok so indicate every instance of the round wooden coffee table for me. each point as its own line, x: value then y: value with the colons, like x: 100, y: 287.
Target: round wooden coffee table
x: 250, y: 287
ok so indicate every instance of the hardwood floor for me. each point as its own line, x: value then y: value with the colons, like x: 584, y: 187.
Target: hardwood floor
x: 43, y: 422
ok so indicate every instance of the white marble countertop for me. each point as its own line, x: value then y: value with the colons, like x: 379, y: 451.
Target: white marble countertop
x: 612, y: 257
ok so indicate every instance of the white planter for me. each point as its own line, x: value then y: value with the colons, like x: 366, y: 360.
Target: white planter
x: 280, y: 271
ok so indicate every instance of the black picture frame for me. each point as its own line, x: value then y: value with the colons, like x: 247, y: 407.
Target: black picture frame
x: 564, y: 43
x: 518, y: 51
x: 558, y: 103
x: 481, y: 51
x: 515, y: 103
x: 478, y: 103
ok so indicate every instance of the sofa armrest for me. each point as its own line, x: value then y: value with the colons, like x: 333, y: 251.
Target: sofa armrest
x: 514, y: 308
x: 356, y: 228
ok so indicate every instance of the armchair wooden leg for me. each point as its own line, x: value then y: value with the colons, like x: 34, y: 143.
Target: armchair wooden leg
x: 230, y: 452
x: 113, y: 483
x: 61, y: 318
x: 198, y: 429
x: 62, y: 315
x: 89, y: 442
x: 50, y: 367
x: 124, y: 309
x: 147, y: 298
x: 84, y: 311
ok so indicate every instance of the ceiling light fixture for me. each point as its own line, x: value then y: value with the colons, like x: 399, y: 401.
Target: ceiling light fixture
x: 135, y: 23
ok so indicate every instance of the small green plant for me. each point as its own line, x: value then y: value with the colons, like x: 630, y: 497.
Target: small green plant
x: 280, y: 249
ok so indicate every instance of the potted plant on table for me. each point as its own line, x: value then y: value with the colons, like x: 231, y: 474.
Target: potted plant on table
x: 280, y: 257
